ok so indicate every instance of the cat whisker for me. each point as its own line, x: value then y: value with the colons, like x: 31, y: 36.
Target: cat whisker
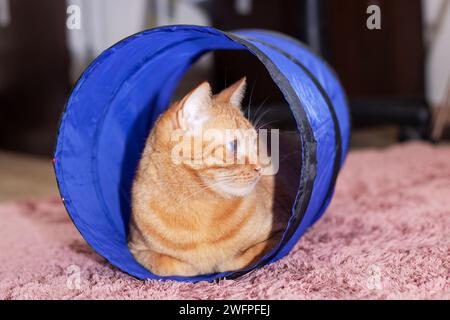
x: 258, y: 109
x: 201, y: 190
x: 167, y: 183
x: 260, y: 117
x: 226, y: 179
x: 266, y: 124
x: 248, y: 109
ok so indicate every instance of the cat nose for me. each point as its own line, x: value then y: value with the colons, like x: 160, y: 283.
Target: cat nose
x: 257, y: 168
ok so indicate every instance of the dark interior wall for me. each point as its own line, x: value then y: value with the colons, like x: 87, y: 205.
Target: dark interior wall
x: 371, y: 63
x: 381, y: 70
x: 33, y: 75
x: 377, y: 63
x: 279, y: 15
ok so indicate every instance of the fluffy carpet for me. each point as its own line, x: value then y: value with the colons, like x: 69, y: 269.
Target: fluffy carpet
x: 385, y: 236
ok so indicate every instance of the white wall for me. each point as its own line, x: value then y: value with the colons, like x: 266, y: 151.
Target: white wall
x: 438, y: 59
x: 105, y: 22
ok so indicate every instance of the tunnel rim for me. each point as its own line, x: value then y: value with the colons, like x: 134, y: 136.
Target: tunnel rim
x: 233, y: 37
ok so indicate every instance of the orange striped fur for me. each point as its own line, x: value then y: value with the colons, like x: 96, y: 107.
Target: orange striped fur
x: 183, y: 221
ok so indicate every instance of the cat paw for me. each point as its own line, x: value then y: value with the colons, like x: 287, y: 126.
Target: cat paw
x: 164, y: 265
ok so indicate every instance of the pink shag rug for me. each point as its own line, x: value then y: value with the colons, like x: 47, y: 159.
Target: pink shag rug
x: 386, y: 235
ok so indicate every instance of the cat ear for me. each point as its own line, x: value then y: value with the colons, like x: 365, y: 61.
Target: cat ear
x: 234, y: 94
x: 195, y: 108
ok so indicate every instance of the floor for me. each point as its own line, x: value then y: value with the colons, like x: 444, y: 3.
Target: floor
x: 384, y: 236
x: 25, y: 177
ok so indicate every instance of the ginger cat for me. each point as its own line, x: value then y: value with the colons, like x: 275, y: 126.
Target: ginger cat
x: 202, y: 217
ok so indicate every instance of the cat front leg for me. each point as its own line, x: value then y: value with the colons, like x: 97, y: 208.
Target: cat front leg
x: 164, y: 265
x: 248, y: 257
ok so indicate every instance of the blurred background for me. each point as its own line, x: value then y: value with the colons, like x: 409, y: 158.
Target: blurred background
x: 396, y: 76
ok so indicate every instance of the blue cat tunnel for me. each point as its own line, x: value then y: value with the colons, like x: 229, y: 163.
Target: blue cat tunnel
x: 115, y: 102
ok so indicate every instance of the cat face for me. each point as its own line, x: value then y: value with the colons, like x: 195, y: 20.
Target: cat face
x: 218, y: 142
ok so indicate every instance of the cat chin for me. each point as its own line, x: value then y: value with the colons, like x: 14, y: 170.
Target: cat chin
x: 230, y: 191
